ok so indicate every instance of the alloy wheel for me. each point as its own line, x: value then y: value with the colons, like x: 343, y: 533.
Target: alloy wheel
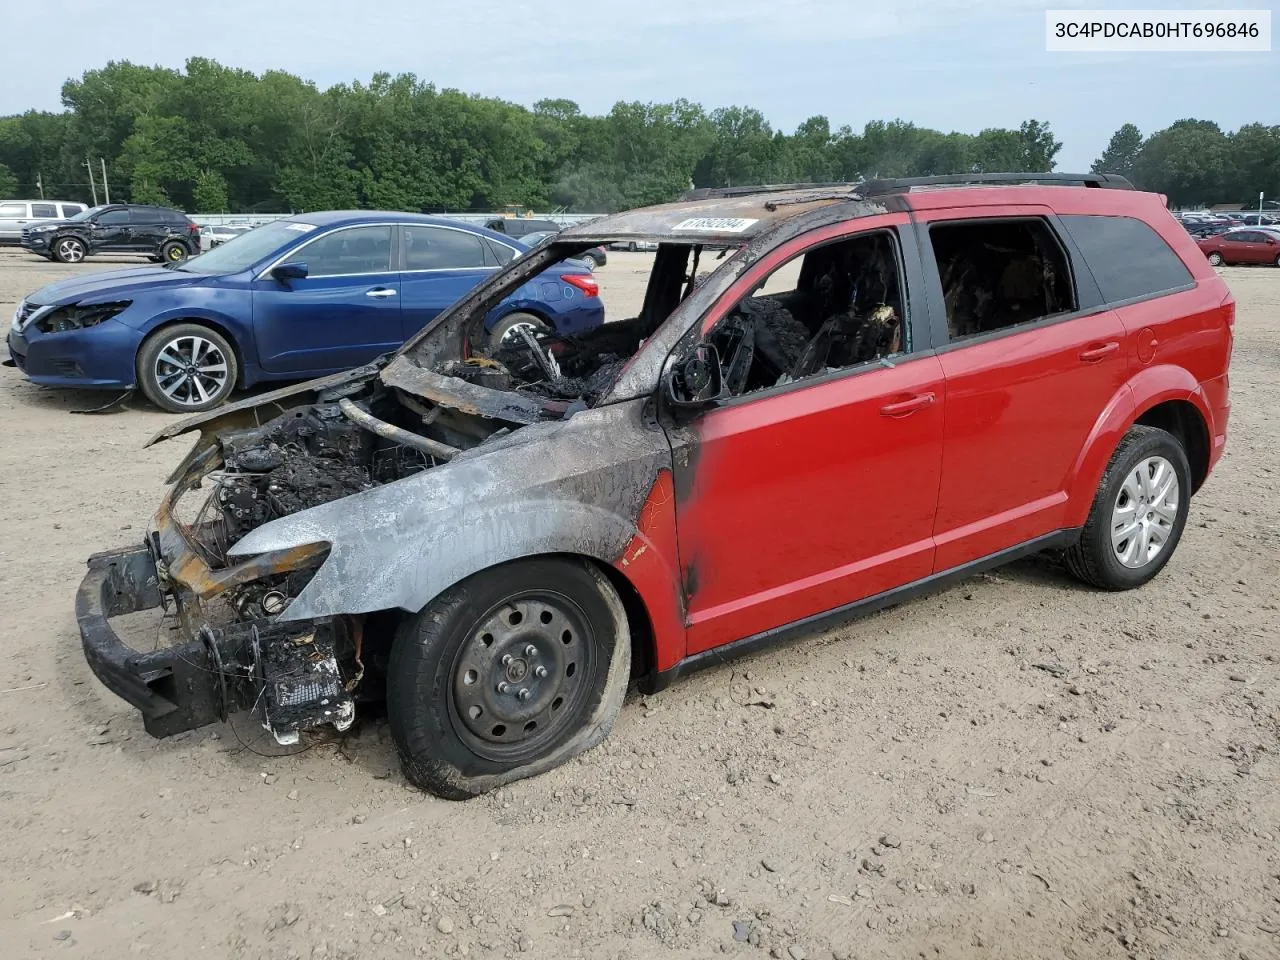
x: 70, y: 251
x: 1145, y: 511
x: 191, y: 370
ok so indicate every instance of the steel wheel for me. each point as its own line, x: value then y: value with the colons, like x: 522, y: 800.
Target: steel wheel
x: 70, y: 250
x: 174, y: 252
x: 191, y: 370
x: 1215, y: 258
x: 1145, y: 511
x: 521, y: 676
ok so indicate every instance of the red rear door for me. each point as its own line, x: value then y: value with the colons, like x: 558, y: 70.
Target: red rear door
x: 809, y: 495
x: 1021, y: 399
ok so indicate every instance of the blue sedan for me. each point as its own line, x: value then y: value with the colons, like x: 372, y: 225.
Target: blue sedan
x: 297, y: 298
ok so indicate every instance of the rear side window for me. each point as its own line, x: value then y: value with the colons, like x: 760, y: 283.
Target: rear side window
x: 998, y: 274
x: 439, y: 248
x: 43, y: 210
x: 1128, y: 259
x: 71, y: 209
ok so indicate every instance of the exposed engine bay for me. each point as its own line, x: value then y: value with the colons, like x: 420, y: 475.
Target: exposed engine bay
x: 354, y: 438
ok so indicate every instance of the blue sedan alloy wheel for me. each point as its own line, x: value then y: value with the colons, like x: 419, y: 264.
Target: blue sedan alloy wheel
x: 186, y: 368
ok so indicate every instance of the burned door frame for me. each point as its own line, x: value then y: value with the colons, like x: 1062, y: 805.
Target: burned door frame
x: 703, y: 458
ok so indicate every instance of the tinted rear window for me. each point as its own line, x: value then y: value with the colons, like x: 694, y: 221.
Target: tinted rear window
x: 1127, y: 258
x: 43, y: 210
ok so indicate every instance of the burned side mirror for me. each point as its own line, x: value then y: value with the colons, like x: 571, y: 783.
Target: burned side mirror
x: 696, y: 381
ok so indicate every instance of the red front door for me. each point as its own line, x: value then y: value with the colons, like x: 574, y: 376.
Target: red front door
x: 812, y: 495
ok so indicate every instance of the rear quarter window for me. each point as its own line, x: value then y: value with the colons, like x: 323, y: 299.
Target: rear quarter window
x: 1127, y: 258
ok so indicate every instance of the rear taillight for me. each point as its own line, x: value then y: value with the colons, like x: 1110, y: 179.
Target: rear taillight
x: 193, y: 228
x: 587, y: 285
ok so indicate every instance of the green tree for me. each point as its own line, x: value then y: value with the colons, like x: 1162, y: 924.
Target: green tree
x: 1187, y: 162
x: 1122, y: 153
x: 210, y: 194
x: 8, y: 183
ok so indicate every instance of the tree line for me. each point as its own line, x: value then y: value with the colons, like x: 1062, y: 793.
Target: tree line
x: 213, y: 139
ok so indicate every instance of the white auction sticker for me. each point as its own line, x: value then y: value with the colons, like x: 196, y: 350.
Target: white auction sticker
x: 713, y: 225
x: 301, y: 227
x: 1158, y: 31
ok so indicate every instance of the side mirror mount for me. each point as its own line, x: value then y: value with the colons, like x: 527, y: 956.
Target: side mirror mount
x: 290, y: 271
x: 695, y: 382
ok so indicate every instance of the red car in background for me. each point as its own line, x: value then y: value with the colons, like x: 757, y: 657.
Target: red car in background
x: 1245, y: 245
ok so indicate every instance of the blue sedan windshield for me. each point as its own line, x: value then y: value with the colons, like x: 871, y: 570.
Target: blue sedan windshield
x: 242, y: 252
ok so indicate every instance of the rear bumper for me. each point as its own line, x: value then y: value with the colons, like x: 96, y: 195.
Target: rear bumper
x: 175, y: 688
x: 1217, y: 394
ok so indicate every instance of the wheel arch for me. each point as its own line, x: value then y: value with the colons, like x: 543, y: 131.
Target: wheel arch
x: 1161, y: 396
x: 213, y: 323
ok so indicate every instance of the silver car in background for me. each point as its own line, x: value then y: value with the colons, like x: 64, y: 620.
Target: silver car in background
x: 18, y: 214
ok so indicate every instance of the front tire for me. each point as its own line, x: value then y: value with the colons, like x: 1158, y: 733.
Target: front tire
x: 69, y: 250
x: 1215, y: 259
x: 590, y: 261
x: 1138, y: 514
x: 506, y: 675
x: 505, y: 328
x: 187, y: 368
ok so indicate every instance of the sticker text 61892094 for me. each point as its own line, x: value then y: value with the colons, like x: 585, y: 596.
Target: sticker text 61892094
x: 713, y: 225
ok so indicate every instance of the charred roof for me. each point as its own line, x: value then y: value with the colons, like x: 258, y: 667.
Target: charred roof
x: 716, y: 219
x: 719, y: 214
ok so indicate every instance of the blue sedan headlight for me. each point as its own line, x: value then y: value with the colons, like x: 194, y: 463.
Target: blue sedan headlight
x: 76, y: 316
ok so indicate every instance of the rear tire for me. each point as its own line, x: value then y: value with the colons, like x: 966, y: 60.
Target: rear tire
x: 1138, y: 513
x: 590, y: 261
x: 173, y: 252
x: 1215, y: 259
x: 506, y: 675
x: 187, y: 368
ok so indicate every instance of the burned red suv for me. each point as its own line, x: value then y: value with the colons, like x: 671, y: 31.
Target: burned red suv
x: 866, y: 392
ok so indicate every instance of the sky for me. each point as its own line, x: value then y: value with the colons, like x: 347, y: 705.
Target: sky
x: 945, y: 64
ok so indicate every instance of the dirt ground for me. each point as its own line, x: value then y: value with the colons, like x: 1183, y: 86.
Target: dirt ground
x: 914, y: 785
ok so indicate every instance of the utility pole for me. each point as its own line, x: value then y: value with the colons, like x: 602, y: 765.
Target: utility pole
x: 1260, y: 194
x: 40, y: 186
x: 106, y: 191
x: 88, y: 165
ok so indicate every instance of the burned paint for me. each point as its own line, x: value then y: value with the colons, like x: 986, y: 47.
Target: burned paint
x: 650, y: 563
x: 458, y: 394
x: 575, y: 486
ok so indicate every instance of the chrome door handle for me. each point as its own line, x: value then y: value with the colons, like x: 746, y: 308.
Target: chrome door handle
x: 380, y: 292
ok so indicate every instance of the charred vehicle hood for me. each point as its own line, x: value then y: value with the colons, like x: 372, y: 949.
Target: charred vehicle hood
x: 574, y: 486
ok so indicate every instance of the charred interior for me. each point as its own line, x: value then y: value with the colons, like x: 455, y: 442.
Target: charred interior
x: 837, y: 306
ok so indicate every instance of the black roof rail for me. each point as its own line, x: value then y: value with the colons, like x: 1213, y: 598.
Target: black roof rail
x: 716, y: 193
x: 872, y: 188
x: 1111, y: 181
